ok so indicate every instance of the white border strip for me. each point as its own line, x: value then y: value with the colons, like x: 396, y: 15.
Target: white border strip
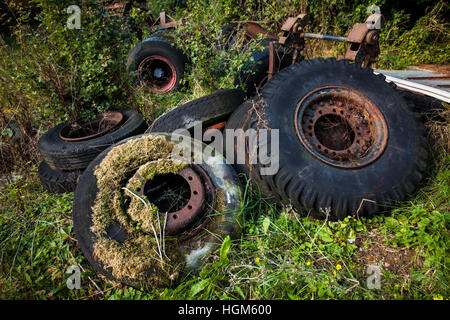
x: 420, y: 88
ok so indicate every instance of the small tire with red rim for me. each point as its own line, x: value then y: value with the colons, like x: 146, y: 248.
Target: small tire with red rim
x: 67, y: 150
x: 157, y: 64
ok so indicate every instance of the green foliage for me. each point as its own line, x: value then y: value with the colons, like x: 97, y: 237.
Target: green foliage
x: 426, y: 42
x: 200, y: 36
x: 78, y: 71
x: 50, y: 72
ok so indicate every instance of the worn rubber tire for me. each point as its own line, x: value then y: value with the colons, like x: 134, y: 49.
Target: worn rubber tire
x: 307, y: 182
x: 57, y: 181
x: 223, y: 177
x: 69, y: 156
x: 239, y: 119
x: 161, y: 45
x: 208, y: 110
x: 428, y: 107
x: 252, y: 76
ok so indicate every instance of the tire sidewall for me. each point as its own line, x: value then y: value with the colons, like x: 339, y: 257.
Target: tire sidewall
x: 162, y: 47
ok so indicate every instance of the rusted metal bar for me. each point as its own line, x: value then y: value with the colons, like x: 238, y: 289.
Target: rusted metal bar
x: 271, y: 60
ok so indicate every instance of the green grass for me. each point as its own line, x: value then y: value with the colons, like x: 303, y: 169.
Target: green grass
x: 281, y: 254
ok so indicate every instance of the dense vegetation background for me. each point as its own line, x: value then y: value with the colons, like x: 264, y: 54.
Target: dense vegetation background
x: 49, y: 73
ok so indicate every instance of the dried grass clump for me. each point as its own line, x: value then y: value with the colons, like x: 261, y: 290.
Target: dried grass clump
x: 439, y: 130
x: 144, y: 257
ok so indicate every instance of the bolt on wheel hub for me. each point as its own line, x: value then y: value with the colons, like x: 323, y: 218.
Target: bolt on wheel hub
x: 341, y: 127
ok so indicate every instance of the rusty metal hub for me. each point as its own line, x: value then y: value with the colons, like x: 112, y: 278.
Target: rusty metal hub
x: 185, y: 199
x: 102, y: 124
x: 341, y: 127
x: 158, y: 73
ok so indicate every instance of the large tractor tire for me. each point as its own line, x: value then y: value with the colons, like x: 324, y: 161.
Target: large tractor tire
x: 348, y: 142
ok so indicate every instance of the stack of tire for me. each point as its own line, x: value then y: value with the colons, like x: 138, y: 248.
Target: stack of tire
x: 348, y: 144
x: 65, y: 156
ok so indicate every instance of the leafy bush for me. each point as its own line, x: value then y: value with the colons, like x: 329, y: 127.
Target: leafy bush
x: 78, y: 71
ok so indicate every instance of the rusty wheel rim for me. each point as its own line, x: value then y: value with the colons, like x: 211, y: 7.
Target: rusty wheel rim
x: 341, y: 127
x: 101, y: 125
x: 158, y: 73
x: 188, y: 216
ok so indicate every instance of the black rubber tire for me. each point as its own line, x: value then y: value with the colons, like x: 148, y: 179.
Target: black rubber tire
x: 252, y: 76
x: 239, y: 119
x: 57, y: 181
x: 307, y: 182
x: 428, y: 107
x: 208, y: 110
x: 161, y: 45
x: 222, y: 175
x: 228, y: 36
x: 69, y: 156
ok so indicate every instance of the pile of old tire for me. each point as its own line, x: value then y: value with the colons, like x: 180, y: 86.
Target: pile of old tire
x: 157, y: 63
x: 348, y: 144
x: 145, y: 217
x: 67, y: 149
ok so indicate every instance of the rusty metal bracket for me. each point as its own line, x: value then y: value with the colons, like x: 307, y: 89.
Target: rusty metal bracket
x: 292, y: 30
x: 163, y: 24
x: 253, y: 30
x: 364, y: 45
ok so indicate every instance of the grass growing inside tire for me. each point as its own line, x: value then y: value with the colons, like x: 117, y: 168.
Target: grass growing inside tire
x: 129, y: 226
x: 273, y: 259
x: 137, y: 253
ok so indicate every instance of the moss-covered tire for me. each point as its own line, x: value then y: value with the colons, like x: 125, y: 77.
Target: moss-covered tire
x: 57, y: 181
x: 75, y: 155
x: 187, y: 250
x: 207, y: 110
x: 157, y: 63
x: 349, y: 144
